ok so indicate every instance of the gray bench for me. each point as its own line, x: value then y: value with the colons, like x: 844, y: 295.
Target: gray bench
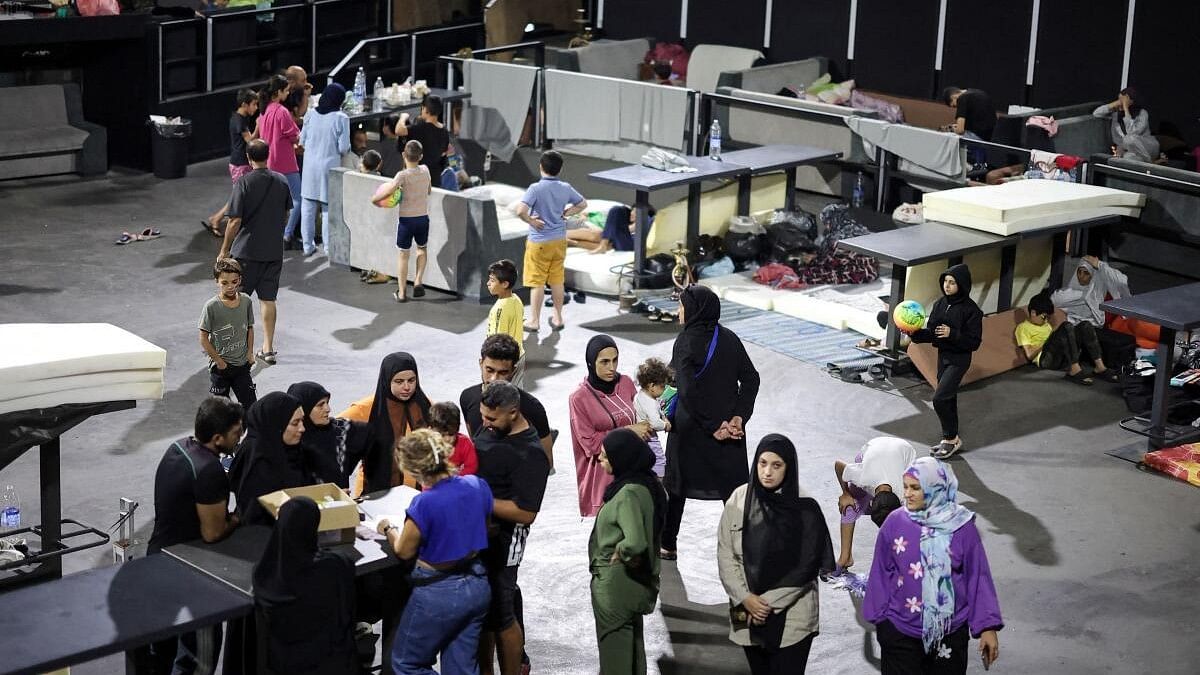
x: 42, y: 132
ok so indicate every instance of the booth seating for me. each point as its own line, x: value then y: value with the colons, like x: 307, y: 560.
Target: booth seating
x: 707, y: 62
x: 42, y: 132
x: 998, y: 353
x: 1079, y: 133
x: 610, y: 58
x: 467, y: 233
x: 771, y: 78
x: 919, y: 112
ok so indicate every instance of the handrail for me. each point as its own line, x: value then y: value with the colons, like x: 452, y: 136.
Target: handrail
x: 362, y: 43
x: 1145, y: 176
x: 539, y: 58
x: 427, y: 31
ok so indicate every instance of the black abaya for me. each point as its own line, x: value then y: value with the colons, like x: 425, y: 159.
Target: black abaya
x: 263, y: 464
x: 332, y: 450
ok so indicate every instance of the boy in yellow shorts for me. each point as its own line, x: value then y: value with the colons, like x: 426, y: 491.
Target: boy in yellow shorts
x: 545, y: 207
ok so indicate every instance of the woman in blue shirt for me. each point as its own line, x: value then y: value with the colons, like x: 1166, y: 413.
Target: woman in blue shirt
x: 325, y: 137
x: 445, y: 530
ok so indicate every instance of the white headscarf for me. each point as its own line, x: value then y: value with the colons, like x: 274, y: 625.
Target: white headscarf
x: 1082, y: 303
x: 884, y: 460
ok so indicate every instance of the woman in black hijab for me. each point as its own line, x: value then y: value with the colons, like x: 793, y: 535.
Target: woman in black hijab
x: 717, y: 383
x: 270, y: 457
x: 304, y: 599
x: 623, y: 550
x: 399, y: 407
x: 332, y: 445
x: 771, y: 545
x: 601, y: 403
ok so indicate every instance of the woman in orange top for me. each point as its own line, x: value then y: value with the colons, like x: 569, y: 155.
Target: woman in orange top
x: 398, y: 407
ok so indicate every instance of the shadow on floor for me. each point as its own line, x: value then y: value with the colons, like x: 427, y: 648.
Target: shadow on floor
x: 176, y: 410
x: 699, y: 633
x: 1031, y: 538
x: 18, y: 289
x: 635, y: 328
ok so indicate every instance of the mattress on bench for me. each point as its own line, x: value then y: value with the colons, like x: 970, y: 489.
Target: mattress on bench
x: 1017, y: 206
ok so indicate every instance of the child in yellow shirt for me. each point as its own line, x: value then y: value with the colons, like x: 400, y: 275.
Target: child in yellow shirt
x: 1056, y: 348
x: 507, y: 315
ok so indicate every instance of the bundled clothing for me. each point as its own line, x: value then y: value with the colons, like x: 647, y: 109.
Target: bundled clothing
x: 833, y: 265
x: 773, y: 544
x: 304, y: 600
x: 628, y: 525
x: 965, y: 320
x: 930, y: 583
x: 716, y: 381
x: 392, y: 419
x: 263, y: 464
x: 1082, y: 302
x: 331, y: 451
x: 597, y: 407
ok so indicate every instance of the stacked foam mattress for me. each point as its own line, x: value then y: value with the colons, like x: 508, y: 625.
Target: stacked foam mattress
x: 43, y: 365
x: 1023, y: 205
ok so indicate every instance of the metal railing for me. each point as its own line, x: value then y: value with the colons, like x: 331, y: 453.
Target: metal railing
x: 539, y: 103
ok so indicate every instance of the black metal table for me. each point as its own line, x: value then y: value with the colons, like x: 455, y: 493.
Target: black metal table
x: 448, y: 96
x: 1058, y: 253
x: 109, y: 610
x: 644, y: 180
x: 769, y: 158
x: 1172, y: 310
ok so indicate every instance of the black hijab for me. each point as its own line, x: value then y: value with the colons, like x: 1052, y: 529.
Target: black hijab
x: 701, y: 313
x: 331, y: 99
x: 596, y: 345
x: 415, y: 413
x: 290, y: 552
x: 319, y: 442
x: 263, y: 464
x: 785, y: 542
x: 632, y: 463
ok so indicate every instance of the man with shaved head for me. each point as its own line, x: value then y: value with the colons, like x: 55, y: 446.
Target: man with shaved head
x: 298, y: 92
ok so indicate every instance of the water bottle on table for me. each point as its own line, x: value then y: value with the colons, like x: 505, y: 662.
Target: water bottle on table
x: 360, y: 88
x: 377, y: 95
x: 714, y: 141
x: 10, y: 509
x: 856, y: 198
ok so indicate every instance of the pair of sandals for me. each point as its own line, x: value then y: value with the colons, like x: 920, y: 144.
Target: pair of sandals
x: 145, y: 235
x: 266, y: 357
x: 665, y: 317
x: 946, y: 449
x: 372, y: 277
x: 1083, y: 379
x: 555, y: 327
x: 417, y: 292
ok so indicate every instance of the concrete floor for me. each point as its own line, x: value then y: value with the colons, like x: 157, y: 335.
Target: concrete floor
x: 1095, y: 562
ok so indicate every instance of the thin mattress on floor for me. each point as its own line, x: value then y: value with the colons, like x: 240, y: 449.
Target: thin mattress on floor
x: 845, y: 306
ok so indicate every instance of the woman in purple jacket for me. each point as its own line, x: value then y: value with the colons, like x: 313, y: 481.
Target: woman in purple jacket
x: 930, y: 587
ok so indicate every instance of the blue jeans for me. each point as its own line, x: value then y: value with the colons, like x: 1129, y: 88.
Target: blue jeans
x: 308, y: 225
x: 293, y: 181
x: 444, y: 617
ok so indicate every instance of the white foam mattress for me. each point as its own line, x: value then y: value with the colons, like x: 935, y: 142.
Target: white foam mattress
x: 1023, y: 199
x: 593, y: 272
x: 1026, y: 223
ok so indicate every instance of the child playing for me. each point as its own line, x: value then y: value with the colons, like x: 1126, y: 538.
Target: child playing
x: 227, y: 334
x: 508, y: 312
x: 445, y: 418
x: 653, y: 377
x: 370, y: 162
x: 955, y: 327
x: 413, y: 223
x: 545, y: 207
x: 869, y: 487
x: 1060, y: 348
x: 241, y: 132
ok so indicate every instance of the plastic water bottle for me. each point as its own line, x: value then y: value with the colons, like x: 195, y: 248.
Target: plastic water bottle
x: 856, y: 198
x: 10, y: 509
x: 360, y: 88
x: 714, y: 141
x: 377, y: 95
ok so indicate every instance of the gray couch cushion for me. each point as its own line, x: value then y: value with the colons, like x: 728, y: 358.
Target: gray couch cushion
x: 41, y: 140
x: 1082, y: 136
x: 770, y: 79
x: 611, y: 58
x: 30, y: 107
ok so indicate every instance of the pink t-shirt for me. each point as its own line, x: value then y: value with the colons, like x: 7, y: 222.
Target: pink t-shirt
x: 279, y: 130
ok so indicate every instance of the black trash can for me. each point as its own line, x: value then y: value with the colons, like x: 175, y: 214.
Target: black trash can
x: 169, y: 148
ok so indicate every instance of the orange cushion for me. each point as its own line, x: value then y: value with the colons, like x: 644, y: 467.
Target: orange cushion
x: 1144, y: 333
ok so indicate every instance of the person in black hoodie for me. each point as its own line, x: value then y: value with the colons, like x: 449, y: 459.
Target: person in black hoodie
x: 955, y: 327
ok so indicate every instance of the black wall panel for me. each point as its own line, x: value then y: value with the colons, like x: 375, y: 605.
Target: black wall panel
x: 894, y: 45
x: 737, y: 24
x: 987, y: 46
x: 624, y: 19
x: 811, y: 28
x: 1159, y: 67
x: 1081, y: 44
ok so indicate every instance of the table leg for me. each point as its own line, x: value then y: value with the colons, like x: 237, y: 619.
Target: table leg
x: 1008, y: 262
x: 789, y: 184
x: 51, y: 499
x: 1162, y: 382
x: 641, y: 207
x: 693, y: 215
x: 743, y: 202
x: 1058, y: 258
x: 892, y: 337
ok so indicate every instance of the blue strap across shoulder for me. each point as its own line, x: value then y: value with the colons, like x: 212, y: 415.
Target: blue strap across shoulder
x: 712, y: 347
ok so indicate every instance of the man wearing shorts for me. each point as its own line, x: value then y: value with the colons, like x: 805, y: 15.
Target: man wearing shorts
x: 258, y: 212
x: 545, y: 207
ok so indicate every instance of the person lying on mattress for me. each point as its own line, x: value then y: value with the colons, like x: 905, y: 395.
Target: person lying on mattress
x: 615, y: 235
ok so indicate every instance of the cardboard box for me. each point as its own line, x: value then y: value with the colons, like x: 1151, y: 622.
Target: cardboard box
x: 339, y: 512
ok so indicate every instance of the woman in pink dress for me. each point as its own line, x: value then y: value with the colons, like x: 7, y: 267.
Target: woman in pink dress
x: 603, y: 402
x: 278, y: 128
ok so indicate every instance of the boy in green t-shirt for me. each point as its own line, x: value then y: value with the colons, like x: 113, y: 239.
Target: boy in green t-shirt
x: 227, y: 335
x: 1057, y: 348
x: 507, y: 315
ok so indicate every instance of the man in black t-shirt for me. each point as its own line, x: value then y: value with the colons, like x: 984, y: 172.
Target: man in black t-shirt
x: 513, y: 464
x: 191, y: 502
x: 432, y: 134
x: 974, y: 112
x: 497, y: 361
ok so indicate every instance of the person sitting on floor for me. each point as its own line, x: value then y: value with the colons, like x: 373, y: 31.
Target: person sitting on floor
x: 1093, y: 283
x: 1058, y: 348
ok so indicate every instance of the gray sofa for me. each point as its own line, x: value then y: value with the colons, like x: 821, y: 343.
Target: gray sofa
x: 42, y: 132
x: 610, y: 58
x: 1079, y: 133
x: 466, y: 235
x: 771, y: 78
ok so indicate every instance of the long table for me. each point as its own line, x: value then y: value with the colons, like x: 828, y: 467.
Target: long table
x: 771, y: 158
x: 1172, y: 310
x: 109, y: 610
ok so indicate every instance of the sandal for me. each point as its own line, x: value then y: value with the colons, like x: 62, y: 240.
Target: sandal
x: 418, y: 291
x: 125, y: 238
x: 266, y: 357
x: 148, y: 234
x: 531, y: 328
x: 376, y: 278
x: 868, y: 343
x: 1108, y: 375
x: 1079, y: 378
x: 664, y: 554
x: 212, y: 229
x: 556, y: 326
x: 397, y: 297
x: 946, y: 449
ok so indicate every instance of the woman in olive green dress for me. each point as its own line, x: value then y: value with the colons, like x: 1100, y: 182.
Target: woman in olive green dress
x: 622, y: 552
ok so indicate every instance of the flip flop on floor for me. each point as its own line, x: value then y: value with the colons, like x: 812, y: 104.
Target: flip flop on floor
x: 125, y: 238
x: 1079, y: 378
x: 212, y: 229
x: 1108, y: 375
x: 148, y: 234
x: 531, y: 328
